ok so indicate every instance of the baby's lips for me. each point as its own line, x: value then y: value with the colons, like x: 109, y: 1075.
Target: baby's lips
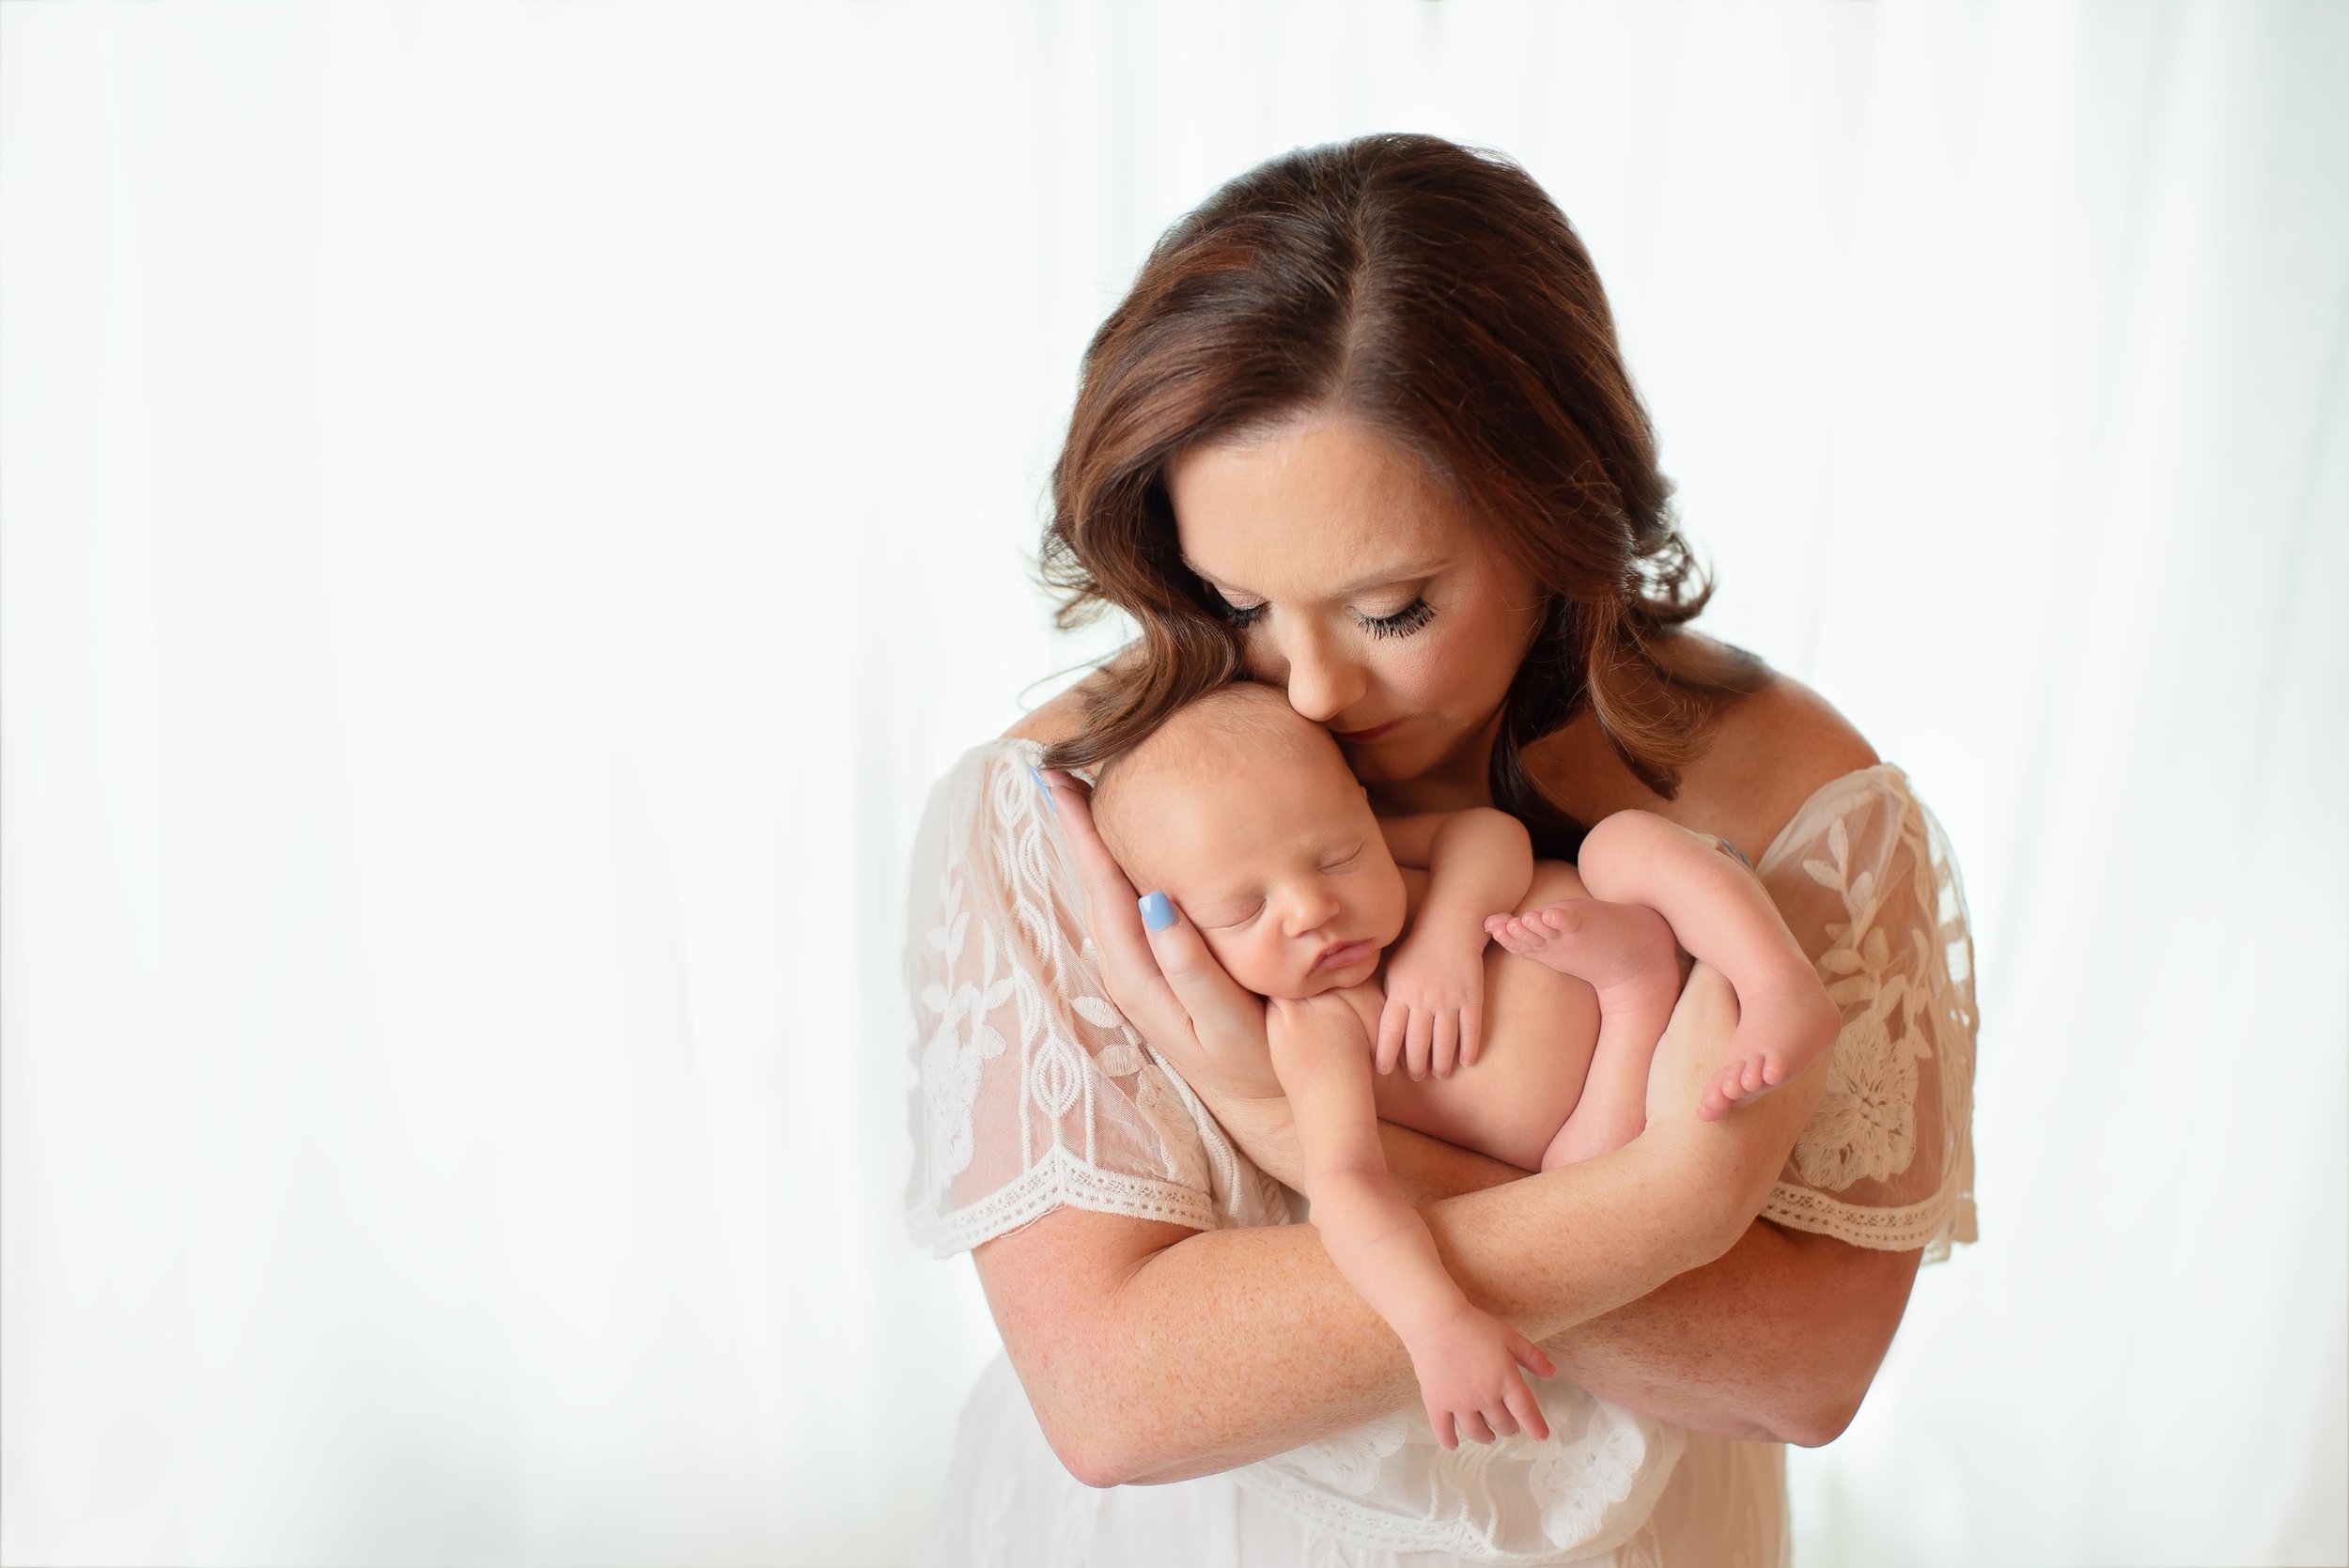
x: 1339, y: 954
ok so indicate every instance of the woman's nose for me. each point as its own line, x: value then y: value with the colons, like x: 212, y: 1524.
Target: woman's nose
x: 1322, y: 683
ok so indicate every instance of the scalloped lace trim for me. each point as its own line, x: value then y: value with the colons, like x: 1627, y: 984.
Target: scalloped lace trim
x: 1060, y: 1177
x: 1945, y: 1218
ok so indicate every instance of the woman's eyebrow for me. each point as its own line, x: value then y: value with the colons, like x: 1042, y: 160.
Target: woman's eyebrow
x: 1415, y: 571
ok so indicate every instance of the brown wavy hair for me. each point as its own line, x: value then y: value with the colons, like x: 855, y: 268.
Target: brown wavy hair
x: 1437, y: 293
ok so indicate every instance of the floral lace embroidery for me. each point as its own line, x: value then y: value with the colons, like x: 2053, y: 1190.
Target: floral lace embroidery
x: 1014, y: 1011
x: 1905, y: 985
x: 1866, y: 1124
x: 999, y: 964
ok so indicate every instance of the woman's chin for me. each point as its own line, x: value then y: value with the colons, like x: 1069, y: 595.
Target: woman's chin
x: 1376, y: 762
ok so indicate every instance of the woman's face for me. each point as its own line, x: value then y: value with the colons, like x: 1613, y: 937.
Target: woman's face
x: 1363, y: 590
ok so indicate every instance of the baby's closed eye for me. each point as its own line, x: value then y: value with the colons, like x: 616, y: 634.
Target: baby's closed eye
x: 1234, y: 916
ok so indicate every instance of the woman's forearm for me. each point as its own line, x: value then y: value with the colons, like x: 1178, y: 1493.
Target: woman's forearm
x: 1777, y: 1339
x: 1299, y: 1353
x: 1734, y: 1347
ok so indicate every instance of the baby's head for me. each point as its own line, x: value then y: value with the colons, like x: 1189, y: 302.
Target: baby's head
x: 1245, y: 814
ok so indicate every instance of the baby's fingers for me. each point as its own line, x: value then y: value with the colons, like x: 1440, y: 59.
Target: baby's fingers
x: 1471, y: 1035
x: 1392, y: 1020
x: 1447, y: 1048
x: 1419, y: 1041
x: 1528, y: 1410
x: 1473, y: 1429
x: 1531, y: 1356
x: 1441, y: 1422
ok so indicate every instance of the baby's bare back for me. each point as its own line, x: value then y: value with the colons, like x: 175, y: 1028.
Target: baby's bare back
x: 1540, y: 1027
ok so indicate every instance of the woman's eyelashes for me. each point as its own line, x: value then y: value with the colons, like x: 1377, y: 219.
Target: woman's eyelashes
x: 1402, y: 623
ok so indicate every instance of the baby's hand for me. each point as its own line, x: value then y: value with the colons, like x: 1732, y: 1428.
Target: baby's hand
x: 1468, y: 1374
x: 1434, y: 1015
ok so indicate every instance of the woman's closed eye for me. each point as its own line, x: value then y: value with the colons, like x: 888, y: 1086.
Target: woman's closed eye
x: 1242, y: 615
x: 1401, y: 623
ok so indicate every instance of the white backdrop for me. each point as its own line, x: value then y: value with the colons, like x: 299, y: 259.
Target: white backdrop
x: 503, y: 510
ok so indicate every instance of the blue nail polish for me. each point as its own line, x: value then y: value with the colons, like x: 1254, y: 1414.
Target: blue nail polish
x: 1037, y: 774
x: 1157, y: 913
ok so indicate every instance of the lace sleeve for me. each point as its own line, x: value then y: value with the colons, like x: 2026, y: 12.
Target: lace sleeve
x: 1865, y: 878
x: 1030, y: 1090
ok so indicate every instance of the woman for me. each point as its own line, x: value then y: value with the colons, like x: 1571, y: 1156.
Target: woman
x: 1362, y: 430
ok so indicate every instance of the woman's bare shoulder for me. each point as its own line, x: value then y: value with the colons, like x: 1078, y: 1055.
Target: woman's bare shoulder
x: 1062, y: 717
x: 1055, y: 721
x: 1769, y: 752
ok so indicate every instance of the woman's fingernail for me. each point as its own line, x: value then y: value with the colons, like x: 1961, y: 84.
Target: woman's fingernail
x: 1037, y: 774
x: 1157, y: 913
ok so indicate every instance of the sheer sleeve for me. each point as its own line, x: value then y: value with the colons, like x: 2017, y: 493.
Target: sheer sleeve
x: 1031, y: 1091
x: 1864, y: 878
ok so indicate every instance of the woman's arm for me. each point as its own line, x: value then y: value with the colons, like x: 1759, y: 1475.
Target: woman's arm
x: 1734, y: 1347
x: 1109, y: 1321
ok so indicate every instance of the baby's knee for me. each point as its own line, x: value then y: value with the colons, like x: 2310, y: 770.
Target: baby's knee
x: 1633, y: 853
x: 1625, y: 834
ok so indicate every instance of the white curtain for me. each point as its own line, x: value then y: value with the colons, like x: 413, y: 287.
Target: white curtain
x: 505, y: 510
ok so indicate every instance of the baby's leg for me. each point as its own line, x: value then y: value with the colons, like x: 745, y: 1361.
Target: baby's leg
x: 1628, y: 956
x: 1722, y: 914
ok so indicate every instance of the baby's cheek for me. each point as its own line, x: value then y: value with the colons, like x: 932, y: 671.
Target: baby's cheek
x: 1252, y: 963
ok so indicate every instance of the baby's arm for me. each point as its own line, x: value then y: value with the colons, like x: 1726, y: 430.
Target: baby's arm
x: 1477, y: 861
x: 1722, y: 914
x: 1465, y: 1359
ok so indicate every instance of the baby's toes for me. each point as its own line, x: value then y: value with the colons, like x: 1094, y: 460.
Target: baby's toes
x: 1712, y: 1105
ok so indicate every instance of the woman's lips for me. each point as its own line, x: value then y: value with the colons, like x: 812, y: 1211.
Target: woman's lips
x: 1343, y: 953
x: 1357, y: 737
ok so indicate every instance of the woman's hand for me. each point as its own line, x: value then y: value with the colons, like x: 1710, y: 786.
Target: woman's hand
x: 1169, y: 988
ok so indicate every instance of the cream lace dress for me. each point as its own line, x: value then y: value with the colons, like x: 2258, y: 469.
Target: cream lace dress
x: 1033, y: 1093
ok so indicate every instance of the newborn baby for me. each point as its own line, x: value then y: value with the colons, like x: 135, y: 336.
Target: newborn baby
x: 1245, y: 814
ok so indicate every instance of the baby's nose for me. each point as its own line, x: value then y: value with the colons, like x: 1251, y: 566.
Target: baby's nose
x: 1311, y: 909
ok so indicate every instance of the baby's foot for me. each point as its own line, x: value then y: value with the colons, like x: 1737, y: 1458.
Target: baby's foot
x: 1593, y: 940
x: 1746, y: 1078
